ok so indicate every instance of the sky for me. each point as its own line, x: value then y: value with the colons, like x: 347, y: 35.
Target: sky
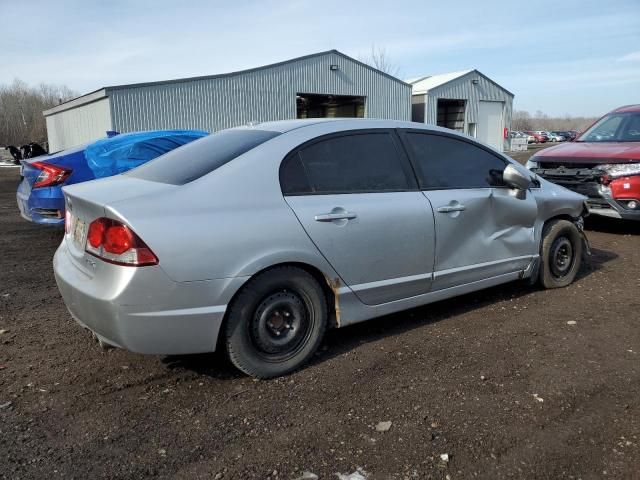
x: 577, y: 57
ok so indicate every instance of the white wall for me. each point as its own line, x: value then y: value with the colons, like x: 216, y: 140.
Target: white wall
x: 78, y: 125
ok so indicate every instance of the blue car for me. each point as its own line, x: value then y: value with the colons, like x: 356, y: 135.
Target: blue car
x: 39, y: 194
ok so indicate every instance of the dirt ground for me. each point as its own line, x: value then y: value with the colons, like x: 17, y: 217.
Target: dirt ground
x: 502, y: 381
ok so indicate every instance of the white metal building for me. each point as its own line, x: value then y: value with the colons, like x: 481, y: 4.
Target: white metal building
x: 326, y: 84
x: 466, y: 101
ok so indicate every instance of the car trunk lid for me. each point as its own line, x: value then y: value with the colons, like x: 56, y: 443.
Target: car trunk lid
x: 88, y: 201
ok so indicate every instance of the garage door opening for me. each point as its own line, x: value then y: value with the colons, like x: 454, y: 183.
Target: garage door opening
x: 311, y: 105
x: 451, y: 114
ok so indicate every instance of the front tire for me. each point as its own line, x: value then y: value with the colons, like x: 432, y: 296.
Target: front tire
x: 276, y: 322
x: 560, y: 254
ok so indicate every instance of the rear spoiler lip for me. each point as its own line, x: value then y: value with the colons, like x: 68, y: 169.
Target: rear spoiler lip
x: 112, y: 191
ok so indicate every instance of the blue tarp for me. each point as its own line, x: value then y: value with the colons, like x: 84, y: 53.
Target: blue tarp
x: 118, y: 154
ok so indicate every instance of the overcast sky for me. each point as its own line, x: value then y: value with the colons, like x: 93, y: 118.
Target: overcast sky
x: 580, y: 57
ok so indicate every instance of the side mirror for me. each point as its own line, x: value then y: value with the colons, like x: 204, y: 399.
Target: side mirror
x: 515, y: 179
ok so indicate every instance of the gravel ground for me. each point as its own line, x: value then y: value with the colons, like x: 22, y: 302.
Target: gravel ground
x: 512, y: 382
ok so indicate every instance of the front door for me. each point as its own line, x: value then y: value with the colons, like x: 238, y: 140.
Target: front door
x: 482, y: 229
x: 356, y: 198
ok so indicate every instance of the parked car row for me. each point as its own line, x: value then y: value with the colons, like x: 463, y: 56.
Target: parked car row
x: 562, y: 135
x: 522, y: 134
x: 543, y: 136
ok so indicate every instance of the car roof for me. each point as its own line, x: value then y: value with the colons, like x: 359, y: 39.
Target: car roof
x: 337, y: 125
x: 340, y: 124
x: 627, y: 108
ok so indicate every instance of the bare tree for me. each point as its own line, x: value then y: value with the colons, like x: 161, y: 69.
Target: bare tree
x: 379, y: 58
x: 523, y: 120
x: 21, y: 106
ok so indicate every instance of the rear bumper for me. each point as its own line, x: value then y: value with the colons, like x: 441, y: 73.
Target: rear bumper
x: 141, y: 309
x: 41, y: 205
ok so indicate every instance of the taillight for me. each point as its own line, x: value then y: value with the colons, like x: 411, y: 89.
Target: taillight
x: 50, y: 175
x: 96, y: 233
x: 115, y: 242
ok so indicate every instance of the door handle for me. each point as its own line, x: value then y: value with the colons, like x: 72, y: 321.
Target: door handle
x: 330, y: 217
x: 452, y: 208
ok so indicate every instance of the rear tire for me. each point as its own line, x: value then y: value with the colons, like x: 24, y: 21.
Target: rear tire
x: 560, y: 254
x: 276, y: 322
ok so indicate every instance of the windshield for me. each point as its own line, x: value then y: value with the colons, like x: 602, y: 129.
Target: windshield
x: 616, y: 127
x: 196, y: 159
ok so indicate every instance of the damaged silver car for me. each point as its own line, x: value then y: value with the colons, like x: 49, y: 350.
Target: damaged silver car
x: 257, y: 239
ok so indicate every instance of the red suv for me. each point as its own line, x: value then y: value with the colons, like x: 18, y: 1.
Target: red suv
x: 603, y: 164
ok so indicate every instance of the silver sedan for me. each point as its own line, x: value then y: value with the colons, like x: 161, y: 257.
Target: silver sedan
x: 257, y: 239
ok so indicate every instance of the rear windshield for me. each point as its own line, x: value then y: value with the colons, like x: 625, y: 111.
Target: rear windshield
x: 196, y: 159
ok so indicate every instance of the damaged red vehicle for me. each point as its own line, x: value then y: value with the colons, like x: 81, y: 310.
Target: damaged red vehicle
x: 603, y: 164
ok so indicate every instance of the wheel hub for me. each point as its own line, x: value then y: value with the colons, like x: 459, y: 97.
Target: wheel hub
x: 561, y: 259
x: 280, y: 321
x: 279, y: 324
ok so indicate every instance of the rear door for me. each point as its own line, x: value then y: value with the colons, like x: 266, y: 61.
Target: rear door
x: 356, y: 197
x: 482, y: 229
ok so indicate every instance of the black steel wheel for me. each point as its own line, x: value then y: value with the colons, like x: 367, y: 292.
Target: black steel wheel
x: 560, y: 253
x: 276, y: 322
x: 280, y: 325
x: 561, y: 257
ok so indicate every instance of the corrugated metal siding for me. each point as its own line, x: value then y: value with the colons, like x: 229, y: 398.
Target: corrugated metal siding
x: 255, y: 96
x: 78, y: 125
x: 464, y: 89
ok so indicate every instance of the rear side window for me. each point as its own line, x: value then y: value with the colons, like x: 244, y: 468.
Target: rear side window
x: 354, y: 163
x: 196, y: 159
x: 445, y: 162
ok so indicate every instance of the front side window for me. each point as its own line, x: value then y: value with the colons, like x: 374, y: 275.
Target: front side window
x: 353, y: 163
x: 616, y: 127
x: 444, y: 162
